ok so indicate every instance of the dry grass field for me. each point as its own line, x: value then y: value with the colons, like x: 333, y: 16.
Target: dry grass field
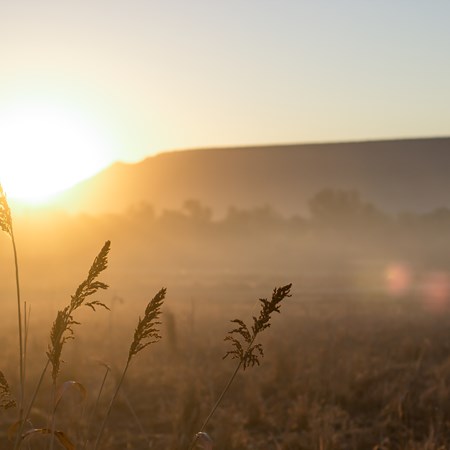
x: 358, y: 358
x: 338, y: 373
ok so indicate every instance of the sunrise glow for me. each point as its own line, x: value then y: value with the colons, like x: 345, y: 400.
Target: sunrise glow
x: 46, y: 149
x: 398, y: 279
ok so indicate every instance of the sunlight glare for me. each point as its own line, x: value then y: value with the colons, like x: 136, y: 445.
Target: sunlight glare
x: 398, y: 279
x: 46, y: 149
x: 436, y: 291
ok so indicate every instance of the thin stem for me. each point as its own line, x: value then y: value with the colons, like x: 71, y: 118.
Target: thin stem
x: 108, y: 411
x: 28, y: 411
x: 53, y: 419
x: 26, y: 321
x: 219, y: 400
x: 95, y: 407
x: 222, y: 395
x: 136, y: 418
x: 216, y: 405
x: 19, y: 316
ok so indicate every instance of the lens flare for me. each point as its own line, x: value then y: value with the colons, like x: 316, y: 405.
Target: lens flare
x: 436, y: 291
x: 398, y: 278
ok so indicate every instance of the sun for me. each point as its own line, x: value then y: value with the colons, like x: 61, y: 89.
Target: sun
x: 45, y: 149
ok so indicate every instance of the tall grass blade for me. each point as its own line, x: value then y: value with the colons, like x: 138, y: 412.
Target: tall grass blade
x: 146, y: 333
x: 94, y: 410
x: 244, y: 348
x: 65, y: 387
x: 62, y: 328
x: 6, y: 224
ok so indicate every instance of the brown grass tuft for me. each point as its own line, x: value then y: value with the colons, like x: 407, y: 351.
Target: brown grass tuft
x: 62, y: 329
x: 5, y: 213
x: 146, y: 333
x: 246, y: 351
x: 146, y: 329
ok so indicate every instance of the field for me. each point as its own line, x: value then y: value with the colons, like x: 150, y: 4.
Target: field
x: 224, y: 225
x: 358, y: 357
x: 338, y: 373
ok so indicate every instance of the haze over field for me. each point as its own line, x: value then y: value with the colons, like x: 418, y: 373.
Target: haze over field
x: 94, y: 97
x: 347, y: 213
x: 90, y: 93
x: 221, y: 149
x: 400, y: 175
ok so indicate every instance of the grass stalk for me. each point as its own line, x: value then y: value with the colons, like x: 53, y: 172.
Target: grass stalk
x: 216, y: 405
x: 136, y: 419
x: 97, y: 401
x: 6, y: 225
x: 30, y: 406
x: 26, y: 322
x: 108, y: 411
x: 62, y: 328
x: 249, y: 353
x: 19, y: 318
x: 146, y: 333
x: 53, y: 416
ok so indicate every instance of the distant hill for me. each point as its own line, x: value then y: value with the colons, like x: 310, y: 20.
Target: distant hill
x: 396, y: 175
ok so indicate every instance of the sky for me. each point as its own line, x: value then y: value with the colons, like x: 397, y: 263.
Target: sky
x: 153, y: 75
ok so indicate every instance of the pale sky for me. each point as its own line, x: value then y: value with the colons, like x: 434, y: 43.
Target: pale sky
x: 161, y: 75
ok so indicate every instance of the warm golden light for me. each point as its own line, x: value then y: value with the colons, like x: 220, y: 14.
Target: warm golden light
x: 398, y: 279
x: 436, y: 291
x: 46, y: 149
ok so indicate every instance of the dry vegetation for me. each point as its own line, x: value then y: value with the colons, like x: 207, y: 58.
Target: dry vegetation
x: 340, y: 374
x: 344, y: 369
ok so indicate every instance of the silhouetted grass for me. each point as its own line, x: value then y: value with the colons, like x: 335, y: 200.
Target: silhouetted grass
x: 6, y: 224
x: 146, y: 333
x: 245, y: 350
x: 61, y: 332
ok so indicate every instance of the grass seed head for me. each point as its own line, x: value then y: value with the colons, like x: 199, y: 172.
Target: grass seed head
x: 5, y: 213
x: 90, y: 285
x: 147, y: 331
x: 243, y: 347
x: 62, y: 328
